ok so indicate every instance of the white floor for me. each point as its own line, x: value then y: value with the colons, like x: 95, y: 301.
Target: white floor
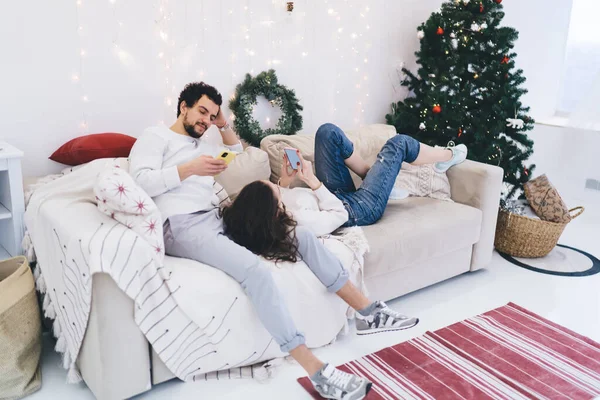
x: 568, y: 158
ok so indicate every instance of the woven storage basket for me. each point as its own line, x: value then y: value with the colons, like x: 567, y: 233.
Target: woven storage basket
x: 20, y: 330
x: 520, y: 236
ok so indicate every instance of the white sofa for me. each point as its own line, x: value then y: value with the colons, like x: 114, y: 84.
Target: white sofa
x: 418, y: 242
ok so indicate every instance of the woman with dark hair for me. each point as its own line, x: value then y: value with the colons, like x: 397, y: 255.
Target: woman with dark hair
x: 265, y: 217
x: 269, y: 231
x: 275, y: 222
x: 258, y: 220
x: 264, y: 212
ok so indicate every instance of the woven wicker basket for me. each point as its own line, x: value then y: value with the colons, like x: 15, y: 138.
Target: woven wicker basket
x: 520, y: 236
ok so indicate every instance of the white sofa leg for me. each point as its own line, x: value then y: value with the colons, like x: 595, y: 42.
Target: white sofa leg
x: 114, y: 359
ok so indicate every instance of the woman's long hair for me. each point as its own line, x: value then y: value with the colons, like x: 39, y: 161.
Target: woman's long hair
x: 256, y: 221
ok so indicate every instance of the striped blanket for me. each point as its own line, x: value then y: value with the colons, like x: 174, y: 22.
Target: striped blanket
x: 197, y: 319
x: 506, y: 353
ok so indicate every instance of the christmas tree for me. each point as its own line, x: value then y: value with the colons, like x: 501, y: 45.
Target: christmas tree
x: 467, y: 89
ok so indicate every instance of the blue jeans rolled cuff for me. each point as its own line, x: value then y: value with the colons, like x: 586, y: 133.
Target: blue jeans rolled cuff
x: 292, y: 344
x: 340, y: 281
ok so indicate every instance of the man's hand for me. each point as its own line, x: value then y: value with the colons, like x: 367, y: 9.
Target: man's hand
x: 307, y: 175
x: 202, y: 166
x: 220, y: 121
x: 287, y: 177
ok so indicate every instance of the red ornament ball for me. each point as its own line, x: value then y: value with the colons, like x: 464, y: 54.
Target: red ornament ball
x: 437, y: 109
x: 498, y: 1
x: 481, y: 9
x: 440, y: 31
x: 505, y: 60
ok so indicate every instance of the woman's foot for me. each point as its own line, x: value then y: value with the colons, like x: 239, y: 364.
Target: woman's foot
x: 459, y: 154
x: 331, y: 383
x: 383, y: 319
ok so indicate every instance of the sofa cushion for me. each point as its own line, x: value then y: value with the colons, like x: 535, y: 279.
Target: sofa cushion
x: 423, y: 181
x: 249, y: 166
x: 88, y: 148
x: 273, y: 145
x: 368, y: 140
x: 416, y: 229
x: 122, y: 199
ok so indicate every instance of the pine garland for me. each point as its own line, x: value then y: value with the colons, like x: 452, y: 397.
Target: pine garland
x: 246, y: 93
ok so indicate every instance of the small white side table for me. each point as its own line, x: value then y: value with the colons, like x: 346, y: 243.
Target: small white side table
x: 12, y: 203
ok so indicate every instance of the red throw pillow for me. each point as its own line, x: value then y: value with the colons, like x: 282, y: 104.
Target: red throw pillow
x: 91, y: 147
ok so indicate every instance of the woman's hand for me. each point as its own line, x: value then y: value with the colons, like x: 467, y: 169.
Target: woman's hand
x: 307, y: 175
x: 286, y: 177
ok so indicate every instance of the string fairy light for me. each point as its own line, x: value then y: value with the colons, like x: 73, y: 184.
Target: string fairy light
x: 360, y: 56
x: 77, y: 78
x: 249, y: 35
x: 351, y: 44
x: 118, y: 23
x: 201, y: 72
x: 166, y: 57
x: 355, y: 49
x: 269, y: 22
x: 338, y: 30
x: 312, y: 18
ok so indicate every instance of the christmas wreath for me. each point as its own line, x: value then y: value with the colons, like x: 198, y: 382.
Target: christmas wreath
x: 242, y: 104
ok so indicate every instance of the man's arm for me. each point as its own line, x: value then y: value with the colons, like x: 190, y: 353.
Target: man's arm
x: 146, y: 166
x: 184, y: 171
x: 230, y: 138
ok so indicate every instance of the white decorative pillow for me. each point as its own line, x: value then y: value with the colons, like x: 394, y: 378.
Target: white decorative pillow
x: 423, y: 181
x: 119, y: 197
x: 249, y: 166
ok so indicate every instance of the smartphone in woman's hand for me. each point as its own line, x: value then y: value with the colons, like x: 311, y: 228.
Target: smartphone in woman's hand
x: 292, y: 156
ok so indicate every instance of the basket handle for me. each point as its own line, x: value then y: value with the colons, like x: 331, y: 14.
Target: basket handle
x: 581, y: 210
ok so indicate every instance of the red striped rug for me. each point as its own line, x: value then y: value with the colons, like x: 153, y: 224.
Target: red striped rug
x: 506, y: 353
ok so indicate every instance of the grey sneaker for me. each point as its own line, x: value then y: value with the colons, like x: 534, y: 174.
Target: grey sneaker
x: 459, y: 154
x: 383, y: 319
x: 331, y: 383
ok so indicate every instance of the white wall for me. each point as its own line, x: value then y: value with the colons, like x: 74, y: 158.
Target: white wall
x: 581, y: 91
x: 315, y: 50
x: 543, y: 30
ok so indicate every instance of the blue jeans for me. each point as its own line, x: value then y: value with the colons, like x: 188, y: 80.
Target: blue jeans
x: 366, y: 205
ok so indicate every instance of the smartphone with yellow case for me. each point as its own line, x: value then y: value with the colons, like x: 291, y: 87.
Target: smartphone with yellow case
x: 227, y: 155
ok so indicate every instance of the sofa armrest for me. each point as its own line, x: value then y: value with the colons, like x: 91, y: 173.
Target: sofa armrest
x: 479, y: 185
x: 115, y: 356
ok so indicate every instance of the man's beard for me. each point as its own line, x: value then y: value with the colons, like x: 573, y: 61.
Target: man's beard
x: 190, y: 129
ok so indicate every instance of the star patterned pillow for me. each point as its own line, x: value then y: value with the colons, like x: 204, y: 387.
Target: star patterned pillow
x: 119, y: 197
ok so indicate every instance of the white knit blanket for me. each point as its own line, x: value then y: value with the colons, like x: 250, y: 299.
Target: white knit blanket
x: 73, y: 241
